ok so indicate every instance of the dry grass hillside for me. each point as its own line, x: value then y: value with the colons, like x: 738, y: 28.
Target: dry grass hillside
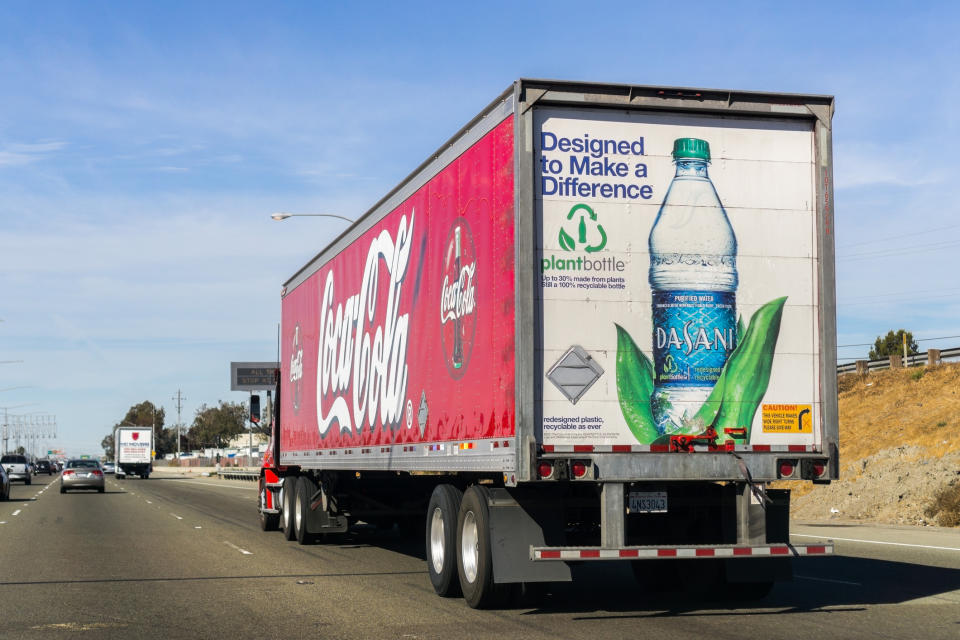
x: 899, y: 450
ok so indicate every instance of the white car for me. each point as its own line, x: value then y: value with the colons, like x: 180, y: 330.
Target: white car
x: 109, y: 467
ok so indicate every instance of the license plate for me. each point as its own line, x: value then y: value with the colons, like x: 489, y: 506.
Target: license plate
x: 648, y: 502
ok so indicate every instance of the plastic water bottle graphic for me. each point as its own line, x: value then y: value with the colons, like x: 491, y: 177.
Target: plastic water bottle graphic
x: 693, y: 277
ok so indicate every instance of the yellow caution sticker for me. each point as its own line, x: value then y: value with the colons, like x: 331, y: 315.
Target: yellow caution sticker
x: 787, y: 418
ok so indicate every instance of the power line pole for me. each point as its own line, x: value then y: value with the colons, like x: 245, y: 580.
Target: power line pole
x: 179, y: 398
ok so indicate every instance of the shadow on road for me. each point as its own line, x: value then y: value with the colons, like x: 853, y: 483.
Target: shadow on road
x: 609, y: 588
x: 833, y: 584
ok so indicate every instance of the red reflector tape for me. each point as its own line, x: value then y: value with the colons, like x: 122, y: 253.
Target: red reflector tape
x: 797, y: 447
x: 742, y: 551
x: 548, y: 448
x: 705, y: 552
x: 660, y: 448
x: 761, y: 447
x: 590, y: 553
x: 629, y: 553
x: 819, y: 549
x: 582, y: 448
x: 666, y: 553
x: 621, y: 448
x: 550, y: 554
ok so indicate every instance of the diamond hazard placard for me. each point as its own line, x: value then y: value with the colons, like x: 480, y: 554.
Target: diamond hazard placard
x: 787, y: 418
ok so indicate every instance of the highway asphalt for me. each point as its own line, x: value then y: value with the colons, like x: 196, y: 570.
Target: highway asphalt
x: 173, y: 557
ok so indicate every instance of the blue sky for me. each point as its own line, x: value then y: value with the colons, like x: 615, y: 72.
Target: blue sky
x: 143, y: 146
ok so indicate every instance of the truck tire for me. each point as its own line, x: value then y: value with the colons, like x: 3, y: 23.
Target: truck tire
x: 286, y: 512
x: 28, y: 480
x: 306, y: 487
x: 475, y: 554
x: 268, y: 521
x: 441, y: 544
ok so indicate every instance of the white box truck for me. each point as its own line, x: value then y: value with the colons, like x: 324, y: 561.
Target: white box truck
x: 133, y: 451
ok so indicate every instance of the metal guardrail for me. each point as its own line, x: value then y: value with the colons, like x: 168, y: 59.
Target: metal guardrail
x: 912, y: 361
x: 228, y: 474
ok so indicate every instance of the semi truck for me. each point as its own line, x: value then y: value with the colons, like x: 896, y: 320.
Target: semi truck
x: 596, y: 325
x: 133, y: 451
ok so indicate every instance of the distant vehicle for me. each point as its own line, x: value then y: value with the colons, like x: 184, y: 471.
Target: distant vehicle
x: 17, y: 467
x: 109, y: 467
x: 4, y: 484
x: 82, y: 474
x: 133, y: 451
x: 43, y: 466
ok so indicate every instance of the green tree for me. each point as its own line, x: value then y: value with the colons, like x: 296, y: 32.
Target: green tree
x: 108, y: 447
x: 892, y: 345
x: 144, y: 414
x: 213, y: 426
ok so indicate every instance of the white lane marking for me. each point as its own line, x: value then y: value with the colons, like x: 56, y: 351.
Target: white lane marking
x: 3, y: 522
x: 894, y: 544
x: 176, y: 516
x: 198, y: 527
x: 16, y: 513
x: 233, y: 546
x: 148, y: 502
x: 855, y: 584
x: 198, y: 483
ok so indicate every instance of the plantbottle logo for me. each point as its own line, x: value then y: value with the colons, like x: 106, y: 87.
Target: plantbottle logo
x: 591, y: 236
x: 458, y: 303
x: 296, y: 368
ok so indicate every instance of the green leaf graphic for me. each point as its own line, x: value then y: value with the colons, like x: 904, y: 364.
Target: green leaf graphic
x: 744, y: 379
x: 740, y: 329
x: 566, y: 242
x: 634, y: 387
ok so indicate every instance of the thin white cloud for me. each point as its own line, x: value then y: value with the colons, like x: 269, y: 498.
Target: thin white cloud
x: 20, y: 153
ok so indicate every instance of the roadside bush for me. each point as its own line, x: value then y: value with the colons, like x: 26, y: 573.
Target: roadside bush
x: 916, y: 375
x: 945, y: 507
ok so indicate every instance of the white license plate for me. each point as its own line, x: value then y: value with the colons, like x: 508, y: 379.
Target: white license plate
x: 648, y: 502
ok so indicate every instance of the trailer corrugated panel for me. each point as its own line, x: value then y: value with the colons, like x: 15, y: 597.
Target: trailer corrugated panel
x: 398, y: 350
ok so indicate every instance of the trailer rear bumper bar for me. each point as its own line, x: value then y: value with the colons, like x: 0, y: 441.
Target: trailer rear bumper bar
x: 540, y: 554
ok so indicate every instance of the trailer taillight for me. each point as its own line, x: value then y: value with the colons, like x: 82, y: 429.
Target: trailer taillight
x: 786, y: 468
x: 578, y: 468
x: 815, y: 469
x: 545, y: 469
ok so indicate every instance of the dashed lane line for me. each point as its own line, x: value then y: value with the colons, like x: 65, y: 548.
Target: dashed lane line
x: 176, y: 516
x: 233, y: 546
x: 16, y: 513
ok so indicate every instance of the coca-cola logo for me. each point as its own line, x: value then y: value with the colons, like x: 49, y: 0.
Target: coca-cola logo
x: 458, y: 298
x: 363, y: 360
x: 296, y: 369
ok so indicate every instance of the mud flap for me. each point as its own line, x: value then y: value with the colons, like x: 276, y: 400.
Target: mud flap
x: 518, y: 520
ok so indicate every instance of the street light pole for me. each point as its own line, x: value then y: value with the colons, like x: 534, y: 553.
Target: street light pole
x: 283, y: 216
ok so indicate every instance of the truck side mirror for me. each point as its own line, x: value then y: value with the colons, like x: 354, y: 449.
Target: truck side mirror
x: 255, y: 409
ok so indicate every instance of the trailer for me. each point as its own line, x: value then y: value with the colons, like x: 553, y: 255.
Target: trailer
x: 133, y: 451
x: 490, y: 352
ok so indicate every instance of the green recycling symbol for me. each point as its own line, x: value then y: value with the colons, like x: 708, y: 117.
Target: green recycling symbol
x: 566, y: 240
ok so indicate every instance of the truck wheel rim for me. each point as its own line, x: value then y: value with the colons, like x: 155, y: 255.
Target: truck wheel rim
x: 284, y: 511
x: 297, y: 514
x: 469, y: 551
x: 437, y: 546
